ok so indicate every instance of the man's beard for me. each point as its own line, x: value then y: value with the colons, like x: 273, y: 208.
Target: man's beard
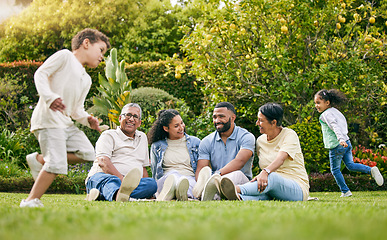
x: 225, y: 128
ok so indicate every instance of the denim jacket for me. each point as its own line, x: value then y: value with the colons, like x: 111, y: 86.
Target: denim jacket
x: 158, y: 150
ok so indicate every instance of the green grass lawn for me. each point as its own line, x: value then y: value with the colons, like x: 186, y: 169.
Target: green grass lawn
x: 363, y: 216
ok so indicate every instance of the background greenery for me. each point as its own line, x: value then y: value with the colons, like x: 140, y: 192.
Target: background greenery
x: 70, y: 217
x: 197, y: 53
x: 254, y: 51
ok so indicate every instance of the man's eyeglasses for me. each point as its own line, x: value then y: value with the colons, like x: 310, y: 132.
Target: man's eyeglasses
x: 129, y: 115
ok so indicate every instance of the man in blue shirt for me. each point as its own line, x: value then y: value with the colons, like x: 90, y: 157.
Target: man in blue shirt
x: 229, y: 151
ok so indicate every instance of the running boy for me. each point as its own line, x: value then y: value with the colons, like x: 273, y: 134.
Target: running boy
x: 63, y: 84
x: 335, y: 135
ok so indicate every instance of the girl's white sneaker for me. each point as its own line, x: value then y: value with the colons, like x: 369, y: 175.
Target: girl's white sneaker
x: 346, y: 194
x: 375, y: 173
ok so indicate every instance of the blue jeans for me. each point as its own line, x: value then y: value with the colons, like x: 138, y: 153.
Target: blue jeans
x: 278, y: 188
x: 338, y: 154
x: 108, y: 185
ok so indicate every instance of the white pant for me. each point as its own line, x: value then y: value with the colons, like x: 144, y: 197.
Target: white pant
x: 237, y: 177
x: 55, y: 143
x: 191, y: 180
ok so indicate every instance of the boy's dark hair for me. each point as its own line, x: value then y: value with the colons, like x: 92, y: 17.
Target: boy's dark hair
x: 227, y: 105
x: 334, y: 96
x: 272, y: 111
x: 92, y: 34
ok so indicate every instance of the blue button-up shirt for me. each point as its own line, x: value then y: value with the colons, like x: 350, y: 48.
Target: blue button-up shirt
x: 213, y: 148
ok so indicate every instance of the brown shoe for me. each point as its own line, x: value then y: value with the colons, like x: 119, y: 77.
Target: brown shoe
x: 129, y: 183
x: 228, y: 189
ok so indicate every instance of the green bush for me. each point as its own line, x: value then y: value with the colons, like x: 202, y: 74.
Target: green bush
x: 16, y: 145
x: 10, y: 169
x: 158, y: 75
x: 61, y: 184
x: 152, y: 100
x: 15, y: 105
x: 326, y: 183
x: 311, y: 140
x: 9, y: 146
x: 23, y: 72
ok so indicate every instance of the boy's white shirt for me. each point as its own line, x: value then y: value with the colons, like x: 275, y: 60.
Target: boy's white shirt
x: 61, y: 76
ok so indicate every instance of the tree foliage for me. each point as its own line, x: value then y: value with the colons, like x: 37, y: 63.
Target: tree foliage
x: 254, y: 51
x: 144, y: 30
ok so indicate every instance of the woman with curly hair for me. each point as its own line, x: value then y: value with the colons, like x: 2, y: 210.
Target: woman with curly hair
x: 174, y: 156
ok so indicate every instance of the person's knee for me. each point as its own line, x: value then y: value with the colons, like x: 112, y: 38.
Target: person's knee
x: 350, y: 166
x: 237, y: 177
x: 273, y: 180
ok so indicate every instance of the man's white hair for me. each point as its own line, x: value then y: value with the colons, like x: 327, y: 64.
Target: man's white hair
x: 124, y: 108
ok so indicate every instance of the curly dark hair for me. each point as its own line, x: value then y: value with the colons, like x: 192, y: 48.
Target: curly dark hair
x: 334, y: 96
x: 164, y: 118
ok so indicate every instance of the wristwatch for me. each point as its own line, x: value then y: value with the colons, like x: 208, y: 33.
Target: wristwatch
x: 267, y: 170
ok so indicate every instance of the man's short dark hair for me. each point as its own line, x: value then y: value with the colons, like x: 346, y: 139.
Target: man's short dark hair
x: 227, y: 105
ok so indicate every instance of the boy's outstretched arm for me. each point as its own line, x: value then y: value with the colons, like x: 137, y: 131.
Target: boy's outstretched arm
x: 94, y: 123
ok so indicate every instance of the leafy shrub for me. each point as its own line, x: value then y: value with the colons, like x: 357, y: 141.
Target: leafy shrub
x: 14, y: 104
x: 61, y: 184
x: 23, y: 72
x: 14, y: 146
x: 152, y: 100
x: 159, y: 75
x: 326, y: 183
x: 28, y: 142
x: 10, y: 169
x: 311, y: 140
x: 202, y: 125
x: 9, y: 146
x: 113, y: 91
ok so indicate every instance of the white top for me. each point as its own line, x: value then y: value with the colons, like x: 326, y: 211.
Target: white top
x: 177, y: 158
x: 294, y: 166
x: 124, y: 152
x: 336, y: 122
x: 61, y: 75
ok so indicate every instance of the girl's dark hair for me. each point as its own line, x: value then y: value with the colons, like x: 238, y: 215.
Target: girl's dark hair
x: 272, y: 111
x: 164, y: 118
x: 334, y: 96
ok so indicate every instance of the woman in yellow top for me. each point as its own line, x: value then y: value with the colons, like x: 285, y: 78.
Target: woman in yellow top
x: 283, y: 175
